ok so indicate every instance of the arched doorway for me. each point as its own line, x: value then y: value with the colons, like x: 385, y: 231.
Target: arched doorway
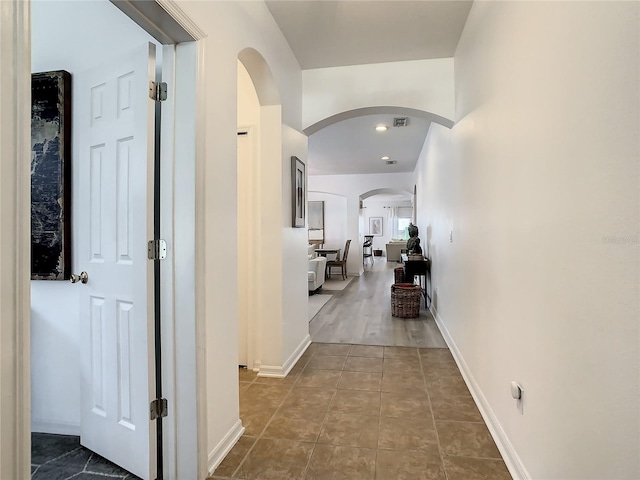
x: 259, y: 197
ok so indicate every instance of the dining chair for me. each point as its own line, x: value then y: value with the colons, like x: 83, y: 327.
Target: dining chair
x: 367, y: 249
x: 340, y: 263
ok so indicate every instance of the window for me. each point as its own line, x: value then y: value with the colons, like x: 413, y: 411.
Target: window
x: 405, y: 215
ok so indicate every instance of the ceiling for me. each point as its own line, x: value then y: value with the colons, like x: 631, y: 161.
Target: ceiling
x: 326, y: 33
x: 354, y: 146
x: 353, y: 32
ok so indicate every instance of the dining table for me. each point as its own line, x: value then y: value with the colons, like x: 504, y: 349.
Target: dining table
x: 323, y: 252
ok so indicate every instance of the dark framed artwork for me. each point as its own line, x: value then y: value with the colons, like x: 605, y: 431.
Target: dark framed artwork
x: 50, y: 175
x: 375, y: 226
x: 298, y: 192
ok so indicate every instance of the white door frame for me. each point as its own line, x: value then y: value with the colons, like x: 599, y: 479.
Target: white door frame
x: 15, y: 239
x: 185, y: 423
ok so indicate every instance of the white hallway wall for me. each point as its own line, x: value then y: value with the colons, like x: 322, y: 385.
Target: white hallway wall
x: 539, y: 182
x: 231, y: 27
x: 248, y: 308
x: 66, y: 36
x: 335, y: 218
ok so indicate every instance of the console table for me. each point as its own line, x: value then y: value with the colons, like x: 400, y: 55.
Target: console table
x: 421, y: 269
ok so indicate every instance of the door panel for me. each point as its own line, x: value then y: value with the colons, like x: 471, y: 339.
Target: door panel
x: 116, y: 305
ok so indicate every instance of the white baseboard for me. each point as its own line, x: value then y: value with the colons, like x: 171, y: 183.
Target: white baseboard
x: 508, y: 452
x: 256, y: 366
x: 283, y: 371
x: 297, y: 353
x: 272, y: 371
x: 224, y: 446
x: 59, y: 428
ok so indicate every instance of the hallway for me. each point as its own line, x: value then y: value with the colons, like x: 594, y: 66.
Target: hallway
x: 361, y: 314
x: 364, y: 412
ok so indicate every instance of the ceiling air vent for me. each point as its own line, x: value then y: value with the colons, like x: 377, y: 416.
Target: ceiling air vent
x: 391, y: 162
x: 400, y: 121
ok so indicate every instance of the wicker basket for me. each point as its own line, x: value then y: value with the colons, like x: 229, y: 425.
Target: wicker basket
x: 405, y: 300
x: 398, y: 273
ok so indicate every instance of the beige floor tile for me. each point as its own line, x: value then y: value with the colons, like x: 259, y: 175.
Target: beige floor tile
x: 326, y: 362
x: 446, y: 386
x: 463, y: 439
x: 341, y: 463
x: 435, y: 355
x: 456, y: 408
x: 235, y: 456
x: 317, y: 399
x: 302, y: 361
x: 461, y: 468
x: 400, y: 352
x: 360, y: 381
x: 288, y: 380
x: 357, y: 402
x: 410, y: 465
x: 366, y: 351
x: 402, y: 365
x: 318, y: 378
x: 295, y: 424
x: 350, y: 430
x: 254, y: 420
x: 273, y: 459
x: 260, y: 395
x: 405, y: 433
x: 331, y: 349
x: 245, y: 375
x: 311, y: 349
x: 351, y: 412
x: 399, y: 404
x: 440, y: 369
x: 363, y: 364
x: 402, y: 382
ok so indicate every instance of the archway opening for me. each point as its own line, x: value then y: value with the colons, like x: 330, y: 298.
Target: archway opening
x: 385, y: 213
x: 259, y: 197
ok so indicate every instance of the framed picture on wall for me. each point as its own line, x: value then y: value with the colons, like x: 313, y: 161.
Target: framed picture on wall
x: 298, y: 192
x: 375, y: 226
x: 51, y: 175
x: 316, y: 221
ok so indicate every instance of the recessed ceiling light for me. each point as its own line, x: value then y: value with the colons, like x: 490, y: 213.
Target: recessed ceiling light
x: 381, y: 128
x: 385, y: 158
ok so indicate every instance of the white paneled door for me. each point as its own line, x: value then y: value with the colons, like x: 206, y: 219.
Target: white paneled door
x: 115, y: 194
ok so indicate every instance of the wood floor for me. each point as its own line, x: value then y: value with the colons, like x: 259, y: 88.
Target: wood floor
x: 361, y: 315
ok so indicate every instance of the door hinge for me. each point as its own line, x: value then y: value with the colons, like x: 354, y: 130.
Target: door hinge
x: 157, y: 249
x: 158, y: 91
x: 158, y: 408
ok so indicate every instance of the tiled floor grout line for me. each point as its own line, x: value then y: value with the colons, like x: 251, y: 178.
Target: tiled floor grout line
x: 324, y: 420
x: 59, y: 457
x: 375, y: 470
x: 433, y: 418
x: 87, y: 463
x: 259, y: 436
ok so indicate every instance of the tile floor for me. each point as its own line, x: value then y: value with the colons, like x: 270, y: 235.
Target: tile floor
x: 61, y: 457
x: 355, y: 412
